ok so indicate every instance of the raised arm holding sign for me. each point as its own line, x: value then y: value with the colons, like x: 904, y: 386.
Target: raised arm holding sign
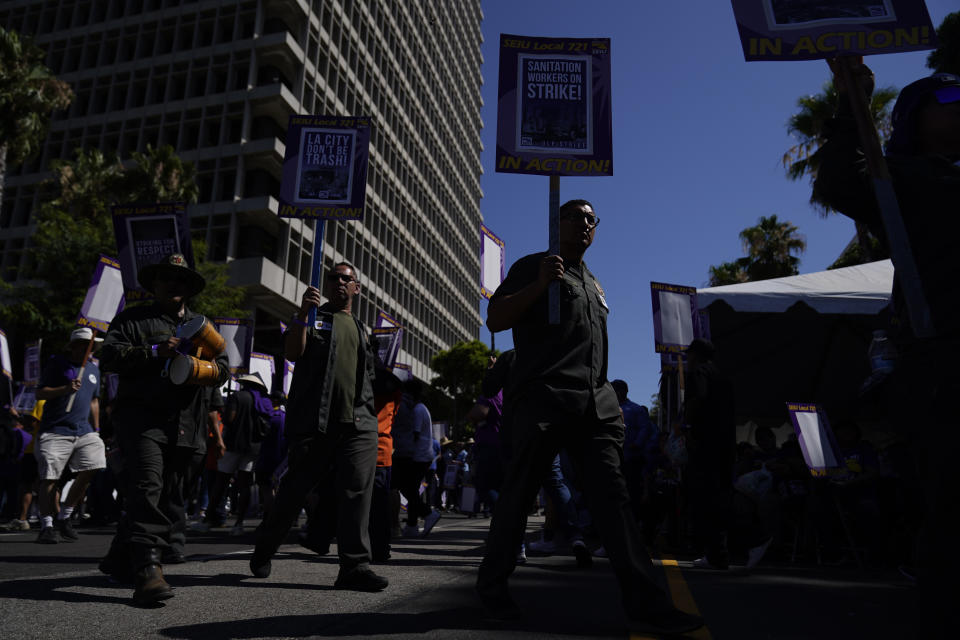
x: 554, y: 119
x: 908, y: 199
x: 324, y: 176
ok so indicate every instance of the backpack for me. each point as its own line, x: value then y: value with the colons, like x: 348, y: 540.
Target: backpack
x: 261, y: 426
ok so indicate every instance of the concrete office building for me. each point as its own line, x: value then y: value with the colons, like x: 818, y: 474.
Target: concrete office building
x: 218, y: 79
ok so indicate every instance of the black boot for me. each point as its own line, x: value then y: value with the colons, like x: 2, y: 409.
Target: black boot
x: 149, y: 585
x: 117, y: 563
x: 151, y: 588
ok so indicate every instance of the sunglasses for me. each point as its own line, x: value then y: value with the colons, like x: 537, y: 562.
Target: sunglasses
x: 947, y: 95
x: 342, y: 277
x: 592, y: 220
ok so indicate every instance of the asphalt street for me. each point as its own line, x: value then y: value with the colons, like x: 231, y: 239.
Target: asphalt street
x: 55, y: 591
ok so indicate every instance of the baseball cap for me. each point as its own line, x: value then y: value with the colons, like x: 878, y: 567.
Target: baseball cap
x: 83, y: 334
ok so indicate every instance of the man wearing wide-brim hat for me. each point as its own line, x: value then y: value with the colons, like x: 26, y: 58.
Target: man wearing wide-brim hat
x: 159, y: 425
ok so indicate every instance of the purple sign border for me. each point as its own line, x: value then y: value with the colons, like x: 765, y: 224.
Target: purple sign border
x: 393, y: 351
x: 659, y: 345
x: 384, y: 319
x: 31, y: 363
x: 910, y: 30
x: 353, y: 210
x: 128, y: 263
x: 248, y: 343
x: 599, y: 161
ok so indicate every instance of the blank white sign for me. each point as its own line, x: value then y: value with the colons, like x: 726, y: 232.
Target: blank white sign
x: 265, y: 369
x: 676, y: 319
x: 287, y: 377
x: 491, y: 264
x: 820, y: 454
x: 5, y: 366
x: 235, y: 336
x: 106, y: 297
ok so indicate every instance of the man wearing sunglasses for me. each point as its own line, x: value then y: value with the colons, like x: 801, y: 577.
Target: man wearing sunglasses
x: 331, y: 426
x: 923, y: 157
x: 563, y: 400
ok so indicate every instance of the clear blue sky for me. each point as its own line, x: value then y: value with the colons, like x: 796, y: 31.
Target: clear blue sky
x: 698, y: 135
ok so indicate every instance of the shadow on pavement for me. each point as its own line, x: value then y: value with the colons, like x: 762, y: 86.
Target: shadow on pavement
x: 47, y: 560
x: 65, y: 589
x: 371, y: 624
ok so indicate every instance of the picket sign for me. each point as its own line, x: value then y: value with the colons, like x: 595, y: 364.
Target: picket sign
x: 104, y: 300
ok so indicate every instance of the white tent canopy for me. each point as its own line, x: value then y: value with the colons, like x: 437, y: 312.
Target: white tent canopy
x: 863, y: 289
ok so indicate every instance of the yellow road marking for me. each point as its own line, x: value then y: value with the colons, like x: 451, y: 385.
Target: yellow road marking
x: 682, y: 598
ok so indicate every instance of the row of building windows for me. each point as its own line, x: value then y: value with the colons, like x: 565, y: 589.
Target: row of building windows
x: 436, y: 207
x: 155, y: 86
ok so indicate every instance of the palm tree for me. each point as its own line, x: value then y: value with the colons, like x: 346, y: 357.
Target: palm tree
x: 729, y: 273
x: 159, y: 175
x: 946, y: 57
x: 808, y: 127
x: 770, y: 246
x: 29, y: 93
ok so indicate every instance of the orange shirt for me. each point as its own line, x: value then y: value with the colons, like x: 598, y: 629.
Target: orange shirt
x: 387, y: 407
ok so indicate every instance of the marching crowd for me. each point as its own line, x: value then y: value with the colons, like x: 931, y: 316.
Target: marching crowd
x: 550, y: 422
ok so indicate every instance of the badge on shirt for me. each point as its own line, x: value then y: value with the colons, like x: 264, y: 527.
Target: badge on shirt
x: 320, y: 326
x: 602, y: 295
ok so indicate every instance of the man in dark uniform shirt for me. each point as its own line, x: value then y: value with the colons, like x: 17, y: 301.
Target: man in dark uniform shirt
x: 158, y: 424
x: 331, y: 426
x: 564, y: 400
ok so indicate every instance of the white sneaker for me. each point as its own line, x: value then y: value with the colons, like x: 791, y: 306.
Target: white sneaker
x: 522, y: 554
x: 17, y: 525
x: 546, y: 547
x: 755, y: 555
x: 703, y: 563
x: 411, y: 532
x: 429, y: 521
x: 236, y: 531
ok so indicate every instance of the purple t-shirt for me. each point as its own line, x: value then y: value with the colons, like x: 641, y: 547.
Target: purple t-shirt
x: 58, y: 372
x: 489, y: 433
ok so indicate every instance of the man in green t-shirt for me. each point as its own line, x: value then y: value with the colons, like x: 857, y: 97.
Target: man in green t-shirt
x: 331, y: 426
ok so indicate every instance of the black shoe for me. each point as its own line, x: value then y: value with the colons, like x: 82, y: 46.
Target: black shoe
x: 119, y: 570
x: 582, y: 554
x: 381, y: 556
x: 151, y: 588
x: 48, y: 535
x: 173, y: 556
x: 500, y: 608
x: 666, y: 620
x: 429, y: 522
x: 360, y: 579
x: 66, y: 530
x: 259, y: 567
x: 318, y: 548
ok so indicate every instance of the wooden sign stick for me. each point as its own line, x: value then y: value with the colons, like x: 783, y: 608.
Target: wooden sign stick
x: 86, y: 356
